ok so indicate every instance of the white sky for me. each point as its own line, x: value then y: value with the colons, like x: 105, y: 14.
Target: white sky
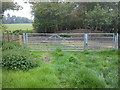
x: 25, y: 12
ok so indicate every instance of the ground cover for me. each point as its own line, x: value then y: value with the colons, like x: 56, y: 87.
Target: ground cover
x: 58, y: 69
x: 13, y: 27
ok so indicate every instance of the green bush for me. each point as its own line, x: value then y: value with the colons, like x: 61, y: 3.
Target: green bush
x: 86, y: 78
x: 72, y: 59
x: 64, y: 35
x: 17, y: 59
x: 59, y: 52
x: 20, y: 32
x: 10, y: 45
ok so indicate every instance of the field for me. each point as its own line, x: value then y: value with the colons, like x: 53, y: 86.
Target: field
x: 13, y: 27
x: 59, y: 69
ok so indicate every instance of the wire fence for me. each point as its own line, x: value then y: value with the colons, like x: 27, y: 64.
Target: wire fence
x: 70, y: 41
x: 7, y: 37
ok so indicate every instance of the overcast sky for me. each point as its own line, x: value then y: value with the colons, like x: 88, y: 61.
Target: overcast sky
x: 25, y: 12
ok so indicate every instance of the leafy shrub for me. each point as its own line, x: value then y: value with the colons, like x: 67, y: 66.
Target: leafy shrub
x: 72, y: 59
x: 18, y: 59
x: 59, y: 52
x: 82, y: 77
x: 20, y: 32
x: 87, y: 78
x: 64, y: 35
x: 10, y: 45
x: 86, y: 52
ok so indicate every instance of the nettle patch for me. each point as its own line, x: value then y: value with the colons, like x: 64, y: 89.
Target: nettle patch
x: 18, y: 59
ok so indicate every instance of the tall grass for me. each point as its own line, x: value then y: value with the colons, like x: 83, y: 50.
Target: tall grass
x: 13, y: 27
x: 86, y: 69
x: 36, y: 78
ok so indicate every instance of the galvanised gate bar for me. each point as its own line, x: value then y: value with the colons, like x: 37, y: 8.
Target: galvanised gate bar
x: 70, y: 41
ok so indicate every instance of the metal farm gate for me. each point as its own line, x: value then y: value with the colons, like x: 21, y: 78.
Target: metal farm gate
x: 70, y: 41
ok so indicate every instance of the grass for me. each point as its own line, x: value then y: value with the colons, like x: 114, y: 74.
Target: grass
x: 86, y: 69
x: 13, y: 27
x: 69, y: 46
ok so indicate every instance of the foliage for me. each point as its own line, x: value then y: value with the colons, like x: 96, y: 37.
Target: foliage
x: 72, y: 59
x: 53, y: 17
x: 13, y: 27
x: 7, y: 6
x: 16, y: 59
x: 50, y: 17
x: 64, y: 35
x: 3, y: 27
x: 40, y: 77
x: 83, y: 70
x: 59, y: 52
x: 88, y: 69
x: 10, y: 45
x: 119, y: 17
x: 101, y: 19
x: 20, y: 32
x: 15, y: 19
x: 10, y: 5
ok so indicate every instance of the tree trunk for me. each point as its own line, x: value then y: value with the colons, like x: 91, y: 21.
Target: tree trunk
x: 96, y: 28
x: 100, y: 28
x: 45, y: 30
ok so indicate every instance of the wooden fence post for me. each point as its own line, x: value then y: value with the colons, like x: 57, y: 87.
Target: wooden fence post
x: 20, y: 40
x: 13, y: 37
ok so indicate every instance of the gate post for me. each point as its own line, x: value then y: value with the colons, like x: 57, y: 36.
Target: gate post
x: 116, y: 41
x: 24, y: 38
x: 20, y: 40
x: 85, y: 41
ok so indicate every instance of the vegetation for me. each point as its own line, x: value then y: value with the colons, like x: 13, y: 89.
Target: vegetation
x: 14, y: 19
x: 22, y: 68
x: 119, y: 18
x: 13, y: 27
x: 14, y: 58
x: 10, y: 5
x: 85, y: 69
x: 20, y: 32
x: 52, y: 17
x: 64, y: 35
x: 10, y: 45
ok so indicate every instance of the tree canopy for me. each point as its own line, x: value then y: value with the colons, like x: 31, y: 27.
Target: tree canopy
x: 52, y: 17
x: 8, y: 6
x: 15, y: 19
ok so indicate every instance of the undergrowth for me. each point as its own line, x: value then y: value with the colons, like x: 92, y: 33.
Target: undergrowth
x: 15, y: 57
x: 86, y: 69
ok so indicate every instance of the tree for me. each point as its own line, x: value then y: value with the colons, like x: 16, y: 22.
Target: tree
x: 100, y: 18
x: 15, y: 19
x: 50, y: 17
x: 8, y: 6
x: 119, y: 19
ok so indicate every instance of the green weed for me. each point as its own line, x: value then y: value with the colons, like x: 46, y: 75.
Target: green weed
x: 85, y: 69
